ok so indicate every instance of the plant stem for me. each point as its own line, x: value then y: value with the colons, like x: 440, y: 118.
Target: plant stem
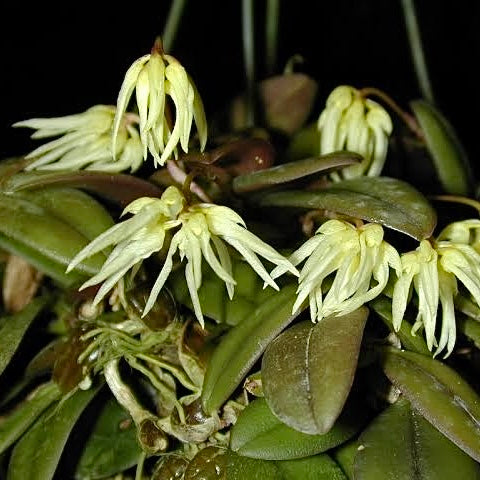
x: 271, y: 29
x: 249, y: 58
x: 416, y: 49
x: 139, y: 470
x: 171, y: 27
x: 409, y: 120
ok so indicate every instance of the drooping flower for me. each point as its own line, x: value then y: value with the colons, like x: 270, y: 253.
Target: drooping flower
x: 357, y: 124
x: 154, y: 77
x: 203, y: 230
x: 355, y: 255
x: 434, y: 268
x: 85, y: 142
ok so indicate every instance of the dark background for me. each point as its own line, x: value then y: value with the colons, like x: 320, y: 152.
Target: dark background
x: 58, y: 60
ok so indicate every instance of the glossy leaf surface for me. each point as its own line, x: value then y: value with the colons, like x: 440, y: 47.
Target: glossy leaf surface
x: 16, y: 422
x: 259, y: 434
x: 308, y: 370
x: 14, y: 327
x: 111, y: 447
x: 37, y: 454
x: 387, y: 201
x: 448, y: 154
x: 242, y: 346
x: 440, y: 394
x: 292, y: 171
x: 401, y: 445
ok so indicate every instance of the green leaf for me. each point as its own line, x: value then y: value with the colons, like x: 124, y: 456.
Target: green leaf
x: 259, y: 434
x: 344, y: 455
x: 317, y: 467
x: 37, y: 454
x: 293, y: 170
x: 440, y: 394
x: 387, y: 201
x: 117, y: 187
x: 448, y: 154
x: 401, y: 445
x: 308, y: 370
x: 112, y: 446
x: 415, y: 343
x: 75, y: 208
x: 15, y: 423
x: 30, y: 230
x: 14, y: 328
x: 243, y: 345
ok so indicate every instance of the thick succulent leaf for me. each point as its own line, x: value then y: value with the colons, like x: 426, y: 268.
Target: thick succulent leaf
x: 14, y: 327
x: 116, y: 187
x: 243, y: 345
x: 387, y: 201
x: 415, y: 343
x: 449, y: 156
x: 15, y: 423
x: 401, y: 445
x: 249, y: 293
x: 259, y: 434
x: 111, y: 447
x: 75, y: 208
x: 316, y: 467
x: 440, y: 394
x: 286, y: 102
x: 292, y: 171
x: 38, y: 452
x: 308, y: 370
x: 32, y: 231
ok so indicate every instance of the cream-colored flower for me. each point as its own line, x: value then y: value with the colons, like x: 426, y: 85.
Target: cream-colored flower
x: 203, y: 231
x: 355, y: 255
x: 357, y: 124
x: 85, y: 142
x: 153, y: 77
x: 434, y: 270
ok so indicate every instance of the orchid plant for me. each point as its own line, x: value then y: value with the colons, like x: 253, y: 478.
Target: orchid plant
x: 259, y: 298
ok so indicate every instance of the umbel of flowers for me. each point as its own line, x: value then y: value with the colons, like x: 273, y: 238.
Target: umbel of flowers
x: 108, y: 138
x: 201, y: 231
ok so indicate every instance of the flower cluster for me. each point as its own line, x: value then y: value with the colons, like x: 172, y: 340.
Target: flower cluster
x: 153, y: 77
x: 352, y: 122
x: 85, y: 141
x: 203, y: 230
x: 434, y: 268
x: 355, y: 255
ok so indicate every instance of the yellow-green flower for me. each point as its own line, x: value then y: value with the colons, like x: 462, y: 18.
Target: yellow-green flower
x: 357, y: 124
x: 85, y: 142
x: 154, y: 77
x: 434, y: 268
x: 354, y: 255
x: 202, y: 231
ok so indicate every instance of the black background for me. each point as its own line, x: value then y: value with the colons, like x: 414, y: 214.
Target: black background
x: 58, y: 60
